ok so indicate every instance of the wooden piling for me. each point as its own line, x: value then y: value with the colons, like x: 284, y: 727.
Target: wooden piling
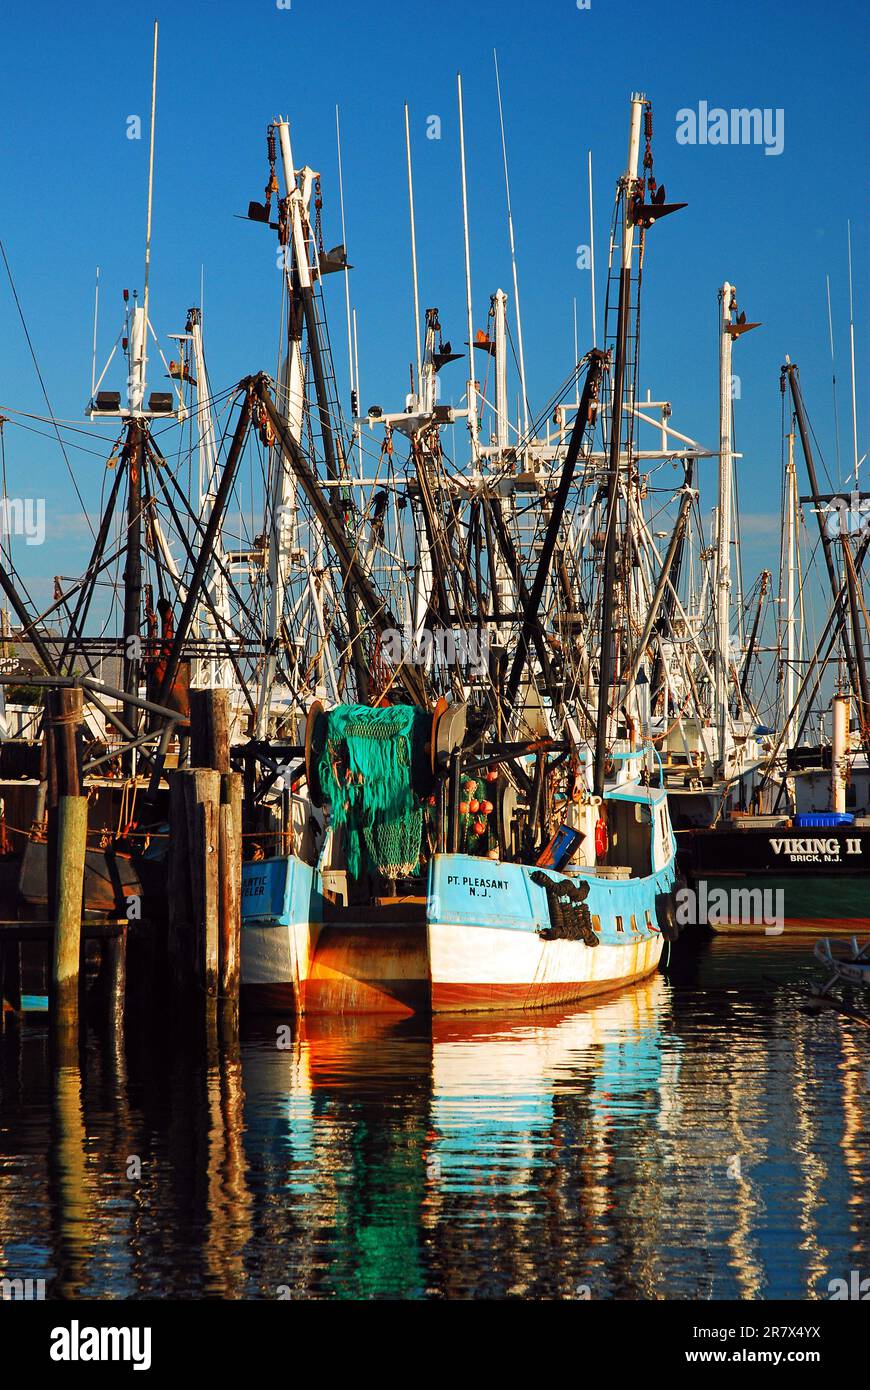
x: 113, y: 979
x: 10, y: 977
x: 230, y: 867
x: 210, y: 729
x: 64, y: 709
x: 178, y: 889
x: 72, y: 829
x: 194, y: 892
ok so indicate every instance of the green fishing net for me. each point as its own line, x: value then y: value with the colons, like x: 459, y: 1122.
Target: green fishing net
x: 367, y: 761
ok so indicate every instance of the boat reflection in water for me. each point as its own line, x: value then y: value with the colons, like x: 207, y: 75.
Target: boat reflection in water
x: 698, y: 1136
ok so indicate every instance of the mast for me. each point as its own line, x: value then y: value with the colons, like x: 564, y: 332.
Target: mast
x: 854, y: 654
x: 592, y: 252
x: 135, y: 448
x: 217, y: 673
x: 723, y: 525
x: 791, y: 543
x: 839, y: 751
x: 471, y: 397
x: 282, y: 495
x: 513, y: 249
x: 855, y: 463
x: 732, y: 325
x: 638, y: 103
x: 753, y: 638
x: 413, y: 242
x: 499, y: 305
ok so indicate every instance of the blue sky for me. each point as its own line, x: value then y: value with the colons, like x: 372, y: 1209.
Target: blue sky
x: 74, y: 197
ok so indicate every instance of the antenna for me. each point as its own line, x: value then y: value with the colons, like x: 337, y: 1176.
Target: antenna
x: 833, y: 373
x: 150, y: 205
x: 472, y: 394
x: 852, y: 352
x: 413, y: 245
x: 507, y: 188
x: 96, y: 316
x: 346, y: 270
x: 592, y: 250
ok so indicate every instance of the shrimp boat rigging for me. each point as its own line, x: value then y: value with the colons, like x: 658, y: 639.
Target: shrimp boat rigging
x: 808, y: 839
x: 458, y: 786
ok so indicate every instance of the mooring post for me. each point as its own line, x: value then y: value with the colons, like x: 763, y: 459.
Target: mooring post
x: 72, y: 830
x: 10, y: 978
x: 210, y: 729
x: 63, y: 716
x: 178, y: 888
x: 194, y: 892
x: 113, y: 978
x: 230, y: 839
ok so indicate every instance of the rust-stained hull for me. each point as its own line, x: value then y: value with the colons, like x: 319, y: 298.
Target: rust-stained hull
x: 369, y: 969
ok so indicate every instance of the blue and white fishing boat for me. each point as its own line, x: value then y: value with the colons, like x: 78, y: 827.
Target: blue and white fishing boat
x: 462, y: 931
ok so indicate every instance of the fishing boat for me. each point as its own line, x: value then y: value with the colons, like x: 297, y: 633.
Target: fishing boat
x: 460, y: 931
x: 804, y: 846
x: 810, y: 870
x: 493, y: 832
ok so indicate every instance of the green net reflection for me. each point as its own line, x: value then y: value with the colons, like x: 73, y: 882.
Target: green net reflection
x: 367, y: 761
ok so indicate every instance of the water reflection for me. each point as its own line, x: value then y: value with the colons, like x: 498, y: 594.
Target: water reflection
x: 697, y: 1136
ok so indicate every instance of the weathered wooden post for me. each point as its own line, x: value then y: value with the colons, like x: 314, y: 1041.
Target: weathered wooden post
x: 230, y: 840
x: 210, y: 729
x: 178, y: 890
x: 10, y: 977
x: 113, y: 977
x: 72, y: 830
x: 202, y: 795
x: 194, y: 889
x: 67, y: 849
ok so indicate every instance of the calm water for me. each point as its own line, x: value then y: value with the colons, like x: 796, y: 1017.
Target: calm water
x: 699, y: 1136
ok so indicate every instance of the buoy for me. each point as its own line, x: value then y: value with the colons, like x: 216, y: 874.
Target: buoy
x: 601, y: 838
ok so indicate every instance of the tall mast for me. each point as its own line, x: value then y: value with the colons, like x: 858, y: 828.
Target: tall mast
x: 499, y: 304
x: 471, y: 396
x: 731, y: 325
x: 592, y: 252
x: 855, y: 464
x: 145, y: 286
x: 853, y: 654
x: 791, y: 526
x: 215, y: 673
x: 135, y: 449
x: 638, y: 103
x: 413, y: 244
x: 283, y: 493
x: 507, y: 189
x: 723, y: 527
